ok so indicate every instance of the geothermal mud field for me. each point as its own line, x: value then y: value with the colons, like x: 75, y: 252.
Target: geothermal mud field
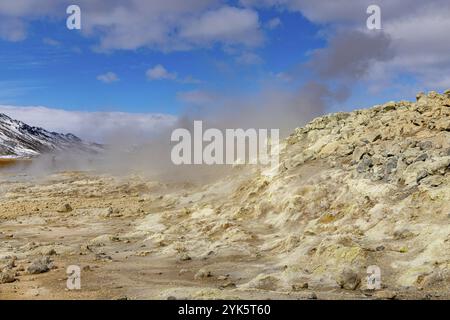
x: 353, y: 190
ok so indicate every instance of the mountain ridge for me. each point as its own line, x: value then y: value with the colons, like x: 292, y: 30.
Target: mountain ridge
x: 20, y: 140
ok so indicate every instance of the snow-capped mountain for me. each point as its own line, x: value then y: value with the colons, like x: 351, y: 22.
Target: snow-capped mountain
x: 17, y: 139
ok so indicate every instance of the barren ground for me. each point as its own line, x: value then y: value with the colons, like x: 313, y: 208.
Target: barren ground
x: 353, y: 190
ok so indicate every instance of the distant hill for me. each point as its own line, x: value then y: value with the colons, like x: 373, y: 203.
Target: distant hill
x: 19, y: 140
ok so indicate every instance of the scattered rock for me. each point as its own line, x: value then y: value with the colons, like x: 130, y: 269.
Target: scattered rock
x: 433, y: 181
x: 402, y: 233
x: 385, y: 295
x: 112, y: 213
x: 391, y: 165
x: 422, y: 157
x: 300, y: 286
x: 202, y: 273
x: 365, y: 164
x: 264, y: 282
x: 40, y: 265
x: 425, y: 145
x: 421, y: 175
x: 183, y: 271
x: 184, y: 257
x: 109, y: 212
x: 103, y: 257
x: 7, y: 277
x: 348, y: 279
x: 420, y: 96
x: 142, y: 253
x: 87, y: 268
x: 11, y: 264
x: 228, y: 285
x: 103, y: 240
x: 65, y: 208
x: 309, y: 296
x: 49, y: 252
x: 358, y: 153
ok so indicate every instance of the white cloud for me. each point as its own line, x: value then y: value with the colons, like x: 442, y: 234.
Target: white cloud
x: 51, y: 42
x: 420, y: 46
x: 196, y: 97
x: 418, y: 29
x: 190, y: 80
x: 108, y: 77
x: 92, y: 126
x: 228, y: 25
x: 159, y: 72
x: 12, y: 29
x: 342, y: 11
x: 162, y: 25
x: 283, y: 76
x: 249, y: 58
x: 273, y: 23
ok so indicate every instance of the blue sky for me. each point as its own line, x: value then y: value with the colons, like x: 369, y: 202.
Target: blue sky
x: 152, y: 56
x: 57, y: 67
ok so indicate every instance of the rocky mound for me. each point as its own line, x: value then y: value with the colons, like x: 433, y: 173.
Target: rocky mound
x: 401, y: 143
x: 369, y: 187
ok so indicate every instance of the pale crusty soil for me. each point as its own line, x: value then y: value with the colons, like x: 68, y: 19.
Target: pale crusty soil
x: 352, y: 190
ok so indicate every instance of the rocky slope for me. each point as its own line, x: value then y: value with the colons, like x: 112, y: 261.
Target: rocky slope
x: 18, y: 139
x: 377, y: 194
x: 369, y: 187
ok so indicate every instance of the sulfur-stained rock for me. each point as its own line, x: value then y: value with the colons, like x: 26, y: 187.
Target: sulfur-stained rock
x: 348, y: 279
x: 385, y: 295
x: 7, y: 277
x: 264, y: 282
x: 40, y: 265
x: 65, y: 208
x: 365, y: 164
x: 202, y: 274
